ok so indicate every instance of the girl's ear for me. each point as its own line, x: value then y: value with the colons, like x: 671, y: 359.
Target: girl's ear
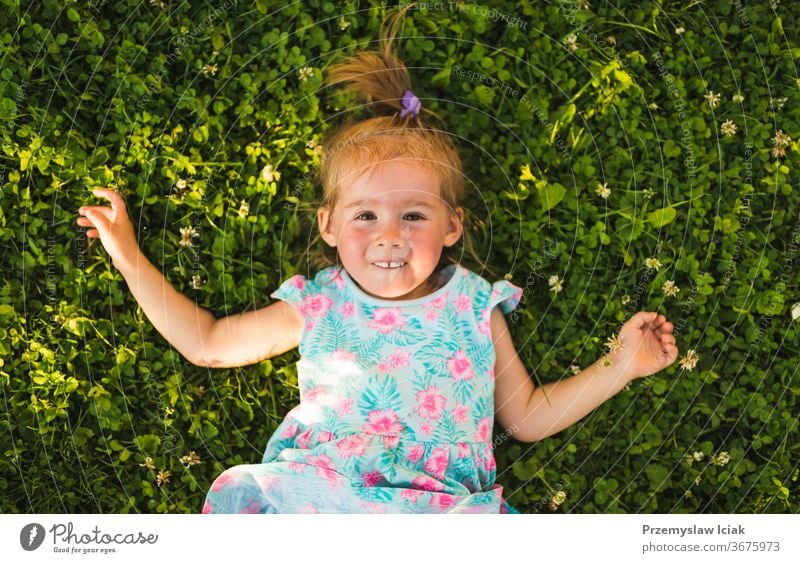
x: 455, y: 226
x: 324, y: 221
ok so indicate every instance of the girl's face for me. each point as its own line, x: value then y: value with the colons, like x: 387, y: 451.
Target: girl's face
x: 390, y: 227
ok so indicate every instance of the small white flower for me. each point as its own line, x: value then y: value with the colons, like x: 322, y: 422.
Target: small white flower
x: 343, y: 23
x: 268, y: 174
x: 305, y: 73
x: 603, y: 190
x: 574, y: 369
x: 648, y: 193
x: 781, y: 139
x: 625, y: 299
x: 614, y: 343
x: 572, y: 42
x: 699, y: 456
x: 679, y: 30
x: 777, y: 103
x: 652, y: 263
x: 670, y: 289
x: 187, y: 233
x: 559, y: 497
x: 689, y: 361
x: 197, y: 282
x: 555, y: 284
x: 712, y: 98
x: 728, y: 128
x: 796, y: 311
x: 210, y: 69
x: 738, y: 98
x: 721, y: 459
x: 244, y: 209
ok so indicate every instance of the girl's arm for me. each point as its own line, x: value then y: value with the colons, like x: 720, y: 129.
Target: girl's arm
x: 203, y: 340
x: 532, y: 413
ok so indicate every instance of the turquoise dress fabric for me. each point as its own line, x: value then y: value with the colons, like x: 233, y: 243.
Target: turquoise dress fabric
x: 396, y: 404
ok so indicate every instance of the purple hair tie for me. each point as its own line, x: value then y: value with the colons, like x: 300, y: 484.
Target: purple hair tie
x: 411, y: 104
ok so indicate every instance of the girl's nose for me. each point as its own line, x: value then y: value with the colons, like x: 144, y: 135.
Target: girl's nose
x: 391, y: 236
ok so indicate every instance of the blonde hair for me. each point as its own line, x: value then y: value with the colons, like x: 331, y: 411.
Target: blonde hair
x: 380, y: 78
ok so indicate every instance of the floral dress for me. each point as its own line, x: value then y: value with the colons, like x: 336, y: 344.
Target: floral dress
x: 396, y: 404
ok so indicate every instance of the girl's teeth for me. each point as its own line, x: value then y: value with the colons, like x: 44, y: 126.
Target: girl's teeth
x: 390, y: 264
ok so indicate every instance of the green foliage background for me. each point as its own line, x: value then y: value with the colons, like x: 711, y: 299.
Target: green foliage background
x: 117, y: 93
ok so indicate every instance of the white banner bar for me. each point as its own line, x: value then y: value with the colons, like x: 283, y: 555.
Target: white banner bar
x: 377, y: 538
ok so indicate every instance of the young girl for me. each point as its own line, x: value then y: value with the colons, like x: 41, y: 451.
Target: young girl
x: 406, y: 358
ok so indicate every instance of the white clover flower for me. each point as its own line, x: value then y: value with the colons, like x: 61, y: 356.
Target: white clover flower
x: 571, y: 42
x: 679, y: 30
x: 244, y: 209
x: 603, y: 190
x: 712, y: 98
x: 796, y: 311
x: 721, y: 459
x: 778, y: 152
x: 728, y: 128
x: 268, y: 174
x: 653, y: 263
x: 781, y: 139
x: 197, y: 282
x: 625, y: 299
x: 614, y: 343
x: 210, y: 69
x: 574, y: 369
x: 738, y: 98
x: 689, y: 361
x: 148, y: 463
x: 163, y: 477
x: 305, y: 73
x: 343, y: 23
x: 555, y: 284
x: 190, y: 459
x: 559, y: 497
x: 187, y: 233
x: 698, y: 456
x: 670, y: 289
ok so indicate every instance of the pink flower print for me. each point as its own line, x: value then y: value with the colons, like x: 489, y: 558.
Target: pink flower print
x: 289, y: 431
x: 383, y: 422
x: 415, y: 452
x: 489, y: 463
x: 442, y: 499
x: 463, y: 303
x: 253, y: 508
x: 307, y: 508
x: 347, y: 309
x: 485, y: 326
x: 460, y: 366
x: 351, y: 445
x: 325, y: 468
x: 302, y: 439
x: 311, y: 395
x: 325, y: 436
x: 310, y: 325
x: 410, y: 495
x: 432, y: 308
x: 390, y: 442
x: 430, y: 403
x: 386, y: 320
x: 426, y: 428
x: 336, y: 278
x: 427, y: 483
x: 297, y: 281
x: 460, y: 412
x: 463, y: 449
x: 436, y: 464
x: 208, y: 508
x: 343, y: 355
x: 484, y: 432
x: 316, y: 305
x: 222, y: 481
x: 491, y: 373
x: 296, y: 466
x: 372, y: 478
x: 395, y: 361
x: 431, y: 315
x: 345, y: 406
x: 266, y: 482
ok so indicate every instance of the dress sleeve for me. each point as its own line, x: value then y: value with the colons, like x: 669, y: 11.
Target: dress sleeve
x: 293, y: 291
x: 505, y: 294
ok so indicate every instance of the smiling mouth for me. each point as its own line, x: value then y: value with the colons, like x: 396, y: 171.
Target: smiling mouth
x: 389, y: 265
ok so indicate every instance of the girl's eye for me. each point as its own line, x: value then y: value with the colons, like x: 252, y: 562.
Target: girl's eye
x: 367, y: 214
x: 416, y: 217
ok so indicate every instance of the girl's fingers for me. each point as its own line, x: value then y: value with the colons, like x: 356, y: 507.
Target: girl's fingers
x: 117, y: 203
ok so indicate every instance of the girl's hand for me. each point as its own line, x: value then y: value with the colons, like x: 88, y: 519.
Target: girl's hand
x: 648, y: 345
x: 111, y: 225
